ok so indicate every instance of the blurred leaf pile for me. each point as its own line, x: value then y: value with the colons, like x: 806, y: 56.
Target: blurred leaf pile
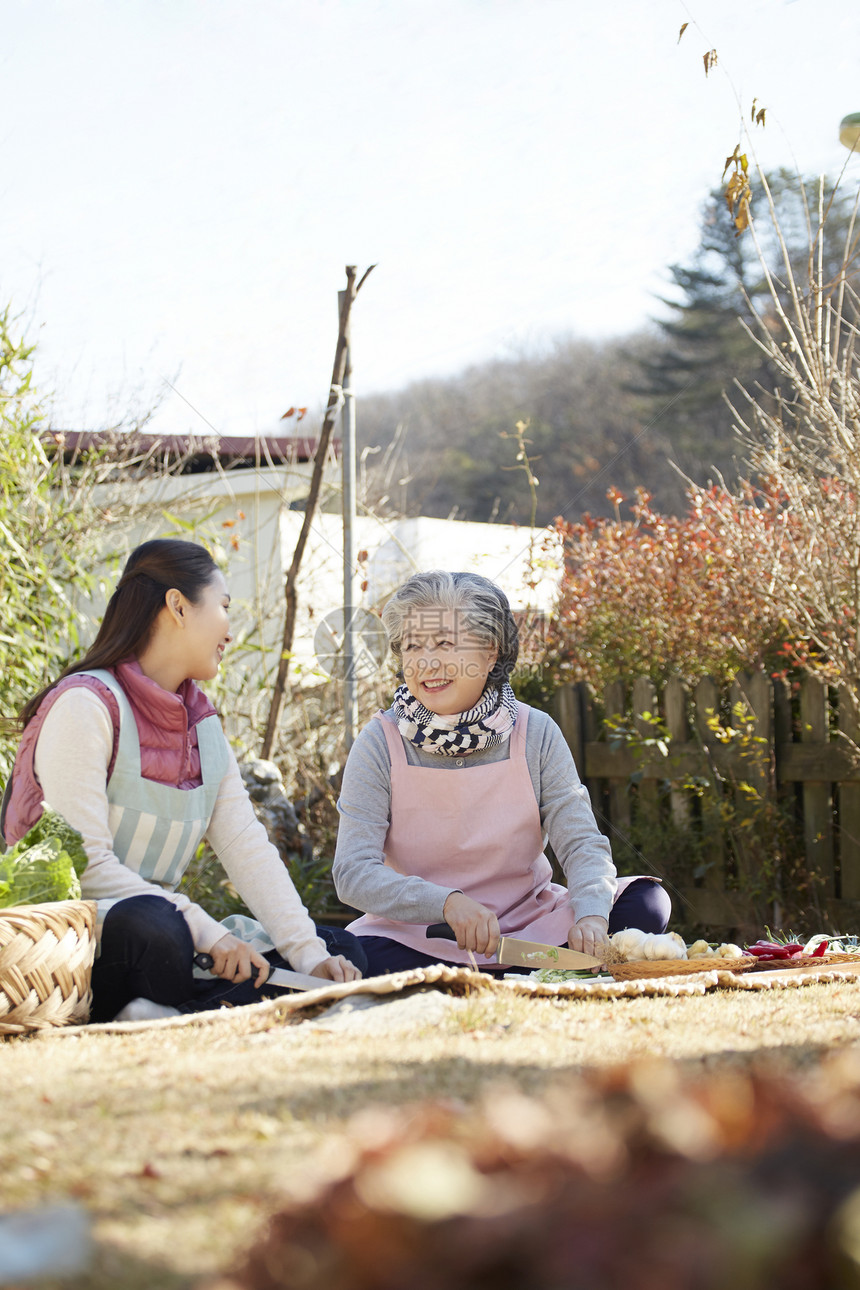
x: 639, y: 1176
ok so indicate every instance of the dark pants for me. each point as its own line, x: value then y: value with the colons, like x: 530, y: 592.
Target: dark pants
x: 147, y: 952
x: 644, y: 904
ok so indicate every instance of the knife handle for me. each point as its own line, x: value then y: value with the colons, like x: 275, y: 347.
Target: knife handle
x: 206, y: 961
x: 442, y: 931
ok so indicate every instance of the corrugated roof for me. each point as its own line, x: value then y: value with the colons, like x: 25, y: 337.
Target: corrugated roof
x: 198, y: 450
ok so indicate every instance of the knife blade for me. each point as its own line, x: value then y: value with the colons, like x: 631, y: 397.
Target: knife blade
x: 287, y: 980
x: 532, y: 954
x: 281, y: 977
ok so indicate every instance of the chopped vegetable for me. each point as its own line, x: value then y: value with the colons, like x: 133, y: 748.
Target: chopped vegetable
x: 549, y: 953
x: 44, y: 865
x: 550, y: 976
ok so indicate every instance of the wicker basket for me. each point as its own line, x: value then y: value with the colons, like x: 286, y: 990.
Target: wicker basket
x: 46, y: 959
x: 677, y: 967
x: 807, y: 961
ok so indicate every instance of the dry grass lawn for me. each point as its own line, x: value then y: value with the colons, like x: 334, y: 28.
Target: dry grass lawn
x: 180, y: 1141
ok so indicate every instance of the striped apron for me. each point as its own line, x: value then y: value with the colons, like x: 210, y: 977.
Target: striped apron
x: 157, y: 828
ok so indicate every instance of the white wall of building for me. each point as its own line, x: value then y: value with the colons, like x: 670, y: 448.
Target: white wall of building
x: 246, y: 512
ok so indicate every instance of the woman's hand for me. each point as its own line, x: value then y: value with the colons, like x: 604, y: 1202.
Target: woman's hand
x: 589, y: 935
x: 336, y: 968
x: 236, y: 961
x: 476, y: 926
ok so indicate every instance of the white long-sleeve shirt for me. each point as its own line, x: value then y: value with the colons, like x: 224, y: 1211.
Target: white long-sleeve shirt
x: 72, y: 758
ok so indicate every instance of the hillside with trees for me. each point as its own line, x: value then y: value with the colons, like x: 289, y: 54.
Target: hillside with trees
x: 447, y: 448
x: 640, y: 411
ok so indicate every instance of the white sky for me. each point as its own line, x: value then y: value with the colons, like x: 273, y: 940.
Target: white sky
x: 183, y: 181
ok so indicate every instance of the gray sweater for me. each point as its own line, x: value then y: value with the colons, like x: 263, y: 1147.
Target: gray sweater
x: 365, y: 882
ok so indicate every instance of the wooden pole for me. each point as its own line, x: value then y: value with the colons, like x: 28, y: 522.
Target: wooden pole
x: 350, y: 681
x: 290, y: 587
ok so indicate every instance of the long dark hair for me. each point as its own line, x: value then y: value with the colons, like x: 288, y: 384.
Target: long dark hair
x: 150, y: 572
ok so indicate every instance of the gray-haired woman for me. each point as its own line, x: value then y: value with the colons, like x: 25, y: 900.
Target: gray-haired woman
x: 450, y: 796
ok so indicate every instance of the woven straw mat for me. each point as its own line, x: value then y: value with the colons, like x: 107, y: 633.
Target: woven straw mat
x: 46, y: 959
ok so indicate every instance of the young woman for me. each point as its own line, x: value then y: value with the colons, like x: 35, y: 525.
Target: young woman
x: 448, y: 799
x: 132, y: 753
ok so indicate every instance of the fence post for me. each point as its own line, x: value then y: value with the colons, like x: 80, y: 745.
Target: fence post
x: 756, y: 691
x: 567, y: 703
x: 783, y: 732
x: 849, y: 811
x: 596, y: 787
x: 817, y: 804
x: 707, y: 705
x: 645, y: 700
x: 618, y: 790
x: 675, y: 705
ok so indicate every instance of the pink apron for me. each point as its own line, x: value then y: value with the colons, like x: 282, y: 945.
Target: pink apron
x: 480, y: 833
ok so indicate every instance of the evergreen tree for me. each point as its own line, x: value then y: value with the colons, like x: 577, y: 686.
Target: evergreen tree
x: 708, y: 352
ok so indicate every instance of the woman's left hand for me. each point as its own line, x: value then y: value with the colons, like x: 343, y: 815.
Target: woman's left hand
x: 337, y: 968
x: 589, y: 935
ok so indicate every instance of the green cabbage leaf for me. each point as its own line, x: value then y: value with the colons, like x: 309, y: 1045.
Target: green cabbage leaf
x: 45, y: 865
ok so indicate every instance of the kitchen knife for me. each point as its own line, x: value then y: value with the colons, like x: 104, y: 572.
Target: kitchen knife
x: 529, y: 954
x: 287, y: 980
x: 281, y: 977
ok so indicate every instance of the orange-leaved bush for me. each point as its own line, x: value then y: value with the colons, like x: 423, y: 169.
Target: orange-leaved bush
x: 662, y: 595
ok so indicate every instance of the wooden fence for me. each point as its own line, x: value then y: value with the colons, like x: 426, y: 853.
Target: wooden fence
x: 796, y: 756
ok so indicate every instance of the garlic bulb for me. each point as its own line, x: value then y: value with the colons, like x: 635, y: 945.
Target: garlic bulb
x: 668, y: 946
x: 632, y: 945
x: 628, y: 945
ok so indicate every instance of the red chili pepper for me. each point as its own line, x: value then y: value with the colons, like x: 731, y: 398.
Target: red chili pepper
x: 791, y: 946
x: 774, y: 950
x: 820, y: 950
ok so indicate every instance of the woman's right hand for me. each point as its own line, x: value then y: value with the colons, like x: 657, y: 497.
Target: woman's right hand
x: 476, y: 926
x: 235, y: 960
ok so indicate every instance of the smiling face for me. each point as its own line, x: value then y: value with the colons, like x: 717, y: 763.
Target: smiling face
x: 445, y: 666
x: 207, y: 629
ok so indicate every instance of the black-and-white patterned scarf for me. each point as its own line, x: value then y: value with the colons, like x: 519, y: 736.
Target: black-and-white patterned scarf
x: 486, y: 725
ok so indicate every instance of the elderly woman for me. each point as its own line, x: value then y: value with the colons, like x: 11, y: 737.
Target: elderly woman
x: 450, y: 796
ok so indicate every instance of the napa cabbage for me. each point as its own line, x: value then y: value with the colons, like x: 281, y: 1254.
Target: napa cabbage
x: 44, y: 865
